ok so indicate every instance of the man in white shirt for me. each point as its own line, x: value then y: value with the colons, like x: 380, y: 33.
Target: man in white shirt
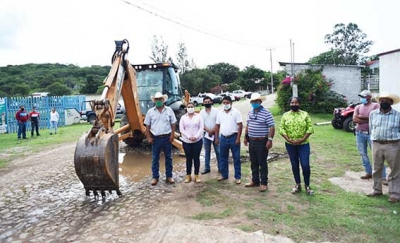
x: 229, y: 128
x: 209, y: 115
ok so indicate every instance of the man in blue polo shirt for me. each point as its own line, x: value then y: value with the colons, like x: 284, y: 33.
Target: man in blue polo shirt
x: 259, y: 133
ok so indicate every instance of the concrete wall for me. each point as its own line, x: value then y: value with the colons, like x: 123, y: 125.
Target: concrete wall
x: 346, y: 79
x: 390, y: 74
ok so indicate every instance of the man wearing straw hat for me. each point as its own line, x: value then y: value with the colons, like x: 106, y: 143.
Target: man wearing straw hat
x: 160, y: 128
x: 385, y: 137
x: 259, y: 133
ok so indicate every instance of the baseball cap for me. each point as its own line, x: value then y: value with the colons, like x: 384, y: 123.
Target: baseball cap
x: 365, y: 93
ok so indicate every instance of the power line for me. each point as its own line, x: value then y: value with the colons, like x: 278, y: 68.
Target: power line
x: 190, y: 27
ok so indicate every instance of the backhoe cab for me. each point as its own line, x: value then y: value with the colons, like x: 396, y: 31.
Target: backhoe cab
x: 96, y: 153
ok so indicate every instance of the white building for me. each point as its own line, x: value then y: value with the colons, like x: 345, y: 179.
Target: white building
x: 389, y: 70
x: 346, y: 78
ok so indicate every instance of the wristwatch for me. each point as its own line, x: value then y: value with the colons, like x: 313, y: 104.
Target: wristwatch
x: 270, y: 139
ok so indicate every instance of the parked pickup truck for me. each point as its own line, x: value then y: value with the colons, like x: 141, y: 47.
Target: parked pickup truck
x: 90, y: 116
x: 198, y: 100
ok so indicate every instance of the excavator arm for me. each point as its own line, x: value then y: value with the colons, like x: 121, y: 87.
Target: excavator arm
x: 96, y: 153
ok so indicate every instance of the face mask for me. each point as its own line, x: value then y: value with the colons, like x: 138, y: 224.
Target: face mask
x: 294, y: 107
x: 255, y: 105
x: 22, y: 109
x: 159, y: 104
x: 363, y: 101
x: 207, y: 105
x: 227, y: 107
x: 190, y: 110
x: 385, y: 105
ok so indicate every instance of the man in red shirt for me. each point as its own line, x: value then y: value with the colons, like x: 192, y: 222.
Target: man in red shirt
x: 34, y: 116
x: 22, y: 117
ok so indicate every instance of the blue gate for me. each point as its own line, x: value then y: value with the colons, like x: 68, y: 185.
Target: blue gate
x: 43, y: 106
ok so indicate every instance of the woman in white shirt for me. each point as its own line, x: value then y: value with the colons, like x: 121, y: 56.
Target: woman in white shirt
x: 53, y: 120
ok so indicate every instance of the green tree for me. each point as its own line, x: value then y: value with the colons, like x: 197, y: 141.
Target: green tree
x: 159, y: 50
x: 92, y: 84
x: 349, y: 42
x: 228, y: 72
x: 183, y: 62
x: 329, y: 57
x: 251, y: 78
x: 58, y: 89
x: 199, y: 80
x: 20, y: 90
x: 314, y: 92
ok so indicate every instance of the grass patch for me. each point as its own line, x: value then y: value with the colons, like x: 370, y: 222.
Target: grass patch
x: 11, y: 147
x: 211, y: 215
x: 332, y: 214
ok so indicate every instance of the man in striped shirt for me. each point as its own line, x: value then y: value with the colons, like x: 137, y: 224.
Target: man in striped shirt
x: 385, y: 136
x: 259, y: 134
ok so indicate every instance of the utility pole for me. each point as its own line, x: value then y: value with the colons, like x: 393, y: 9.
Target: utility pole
x: 272, y: 78
x: 294, y: 85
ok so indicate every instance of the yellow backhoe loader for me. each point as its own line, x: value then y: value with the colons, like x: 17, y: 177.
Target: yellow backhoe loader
x: 96, y: 153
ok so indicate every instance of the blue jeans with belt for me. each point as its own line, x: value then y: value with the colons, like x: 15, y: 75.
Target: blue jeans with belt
x: 363, y: 142
x: 225, y: 144
x: 300, y: 155
x: 22, y: 129
x: 161, y: 143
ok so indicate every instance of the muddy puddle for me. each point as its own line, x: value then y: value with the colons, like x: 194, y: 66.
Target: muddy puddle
x: 136, y: 166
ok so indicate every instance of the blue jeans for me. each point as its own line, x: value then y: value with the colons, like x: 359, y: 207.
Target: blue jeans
x: 164, y: 145
x: 192, y: 152
x: 363, y: 140
x: 207, y: 153
x: 53, y: 125
x: 224, y: 146
x: 22, y: 129
x: 300, y: 155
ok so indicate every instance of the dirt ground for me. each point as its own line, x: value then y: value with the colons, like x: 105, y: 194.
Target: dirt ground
x: 45, y: 190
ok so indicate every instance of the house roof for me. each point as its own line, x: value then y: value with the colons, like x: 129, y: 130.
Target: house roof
x: 388, y: 52
x: 369, y: 63
x: 282, y: 64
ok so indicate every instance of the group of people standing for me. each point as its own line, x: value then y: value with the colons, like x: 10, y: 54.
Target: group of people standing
x: 223, y: 129
x: 22, y: 116
x: 378, y: 127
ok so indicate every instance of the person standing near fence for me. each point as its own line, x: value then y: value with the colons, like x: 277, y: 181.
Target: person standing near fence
x: 22, y: 117
x: 34, y: 116
x: 53, y: 120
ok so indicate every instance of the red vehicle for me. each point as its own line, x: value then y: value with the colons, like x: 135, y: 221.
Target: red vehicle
x: 343, y: 118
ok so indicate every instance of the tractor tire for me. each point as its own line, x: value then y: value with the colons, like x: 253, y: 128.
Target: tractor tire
x: 91, y: 118
x: 348, y: 124
x: 336, y: 125
x: 195, y: 103
x: 131, y: 142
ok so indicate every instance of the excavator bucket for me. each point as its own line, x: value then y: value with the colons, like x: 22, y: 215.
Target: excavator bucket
x: 96, y: 163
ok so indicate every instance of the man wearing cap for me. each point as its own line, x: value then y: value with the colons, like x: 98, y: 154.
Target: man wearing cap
x: 160, y: 128
x: 385, y: 137
x: 228, y: 130
x: 361, y: 118
x: 34, y: 116
x: 259, y: 133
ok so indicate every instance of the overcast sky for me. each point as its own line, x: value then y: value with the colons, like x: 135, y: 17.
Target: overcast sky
x: 82, y: 32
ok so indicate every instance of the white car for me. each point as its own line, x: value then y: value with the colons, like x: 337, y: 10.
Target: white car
x: 241, y: 93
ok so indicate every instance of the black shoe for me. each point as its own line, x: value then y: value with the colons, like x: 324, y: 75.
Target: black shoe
x: 25, y: 138
x: 205, y: 171
x: 37, y: 134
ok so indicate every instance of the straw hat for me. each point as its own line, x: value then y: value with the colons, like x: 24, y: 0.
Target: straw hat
x: 385, y: 94
x: 159, y: 95
x: 256, y: 96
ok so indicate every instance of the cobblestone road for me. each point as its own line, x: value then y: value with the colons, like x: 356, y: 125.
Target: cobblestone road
x: 42, y: 200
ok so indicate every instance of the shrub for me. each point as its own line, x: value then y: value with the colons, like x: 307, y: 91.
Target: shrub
x: 313, y: 90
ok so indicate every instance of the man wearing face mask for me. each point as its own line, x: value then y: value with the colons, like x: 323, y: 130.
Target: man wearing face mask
x: 361, y: 118
x: 22, y: 117
x: 228, y: 130
x: 259, y: 133
x: 385, y: 136
x: 209, y: 115
x: 160, y: 128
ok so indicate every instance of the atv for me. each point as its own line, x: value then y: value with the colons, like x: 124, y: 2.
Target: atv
x: 343, y: 118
